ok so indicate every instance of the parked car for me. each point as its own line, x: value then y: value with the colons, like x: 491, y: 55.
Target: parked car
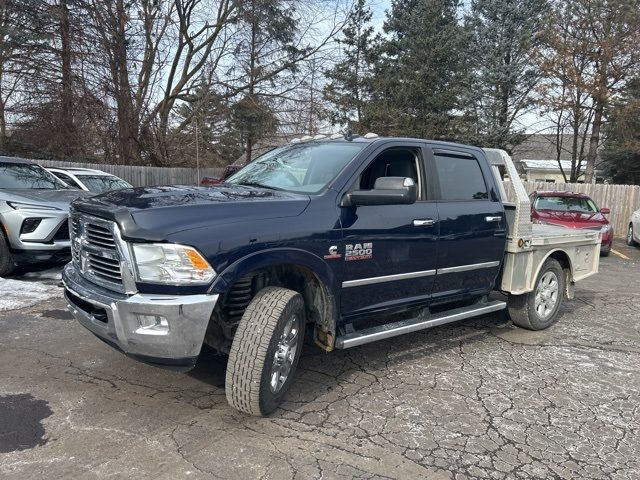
x: 633, y: 232
x: 89, y: 180
x: 34, y: 209
x: 228, y: 171
x: 572, y: 210
x: 319, y: 235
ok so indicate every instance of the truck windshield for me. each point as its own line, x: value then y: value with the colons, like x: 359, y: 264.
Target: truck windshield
x: 566, y: 204
x: 23, y: 176
x: 303, y: 168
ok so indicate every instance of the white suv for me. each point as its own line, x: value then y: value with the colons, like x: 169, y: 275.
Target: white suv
x: 633, y: 232
x: 90, y: 180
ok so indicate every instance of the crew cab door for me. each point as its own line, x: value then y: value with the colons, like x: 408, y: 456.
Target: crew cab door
x: 472, y: 224
x: 389, y: 251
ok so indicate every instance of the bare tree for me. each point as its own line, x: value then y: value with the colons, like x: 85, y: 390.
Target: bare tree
x: 592, y: 50
x: 23, y: 33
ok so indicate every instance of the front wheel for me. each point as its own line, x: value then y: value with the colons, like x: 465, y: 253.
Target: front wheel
x: 6, y: 260
x: 265, y: 351
x: 539, y: 309
x: 630, y: 241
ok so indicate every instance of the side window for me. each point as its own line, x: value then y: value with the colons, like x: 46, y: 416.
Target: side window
x: 460, y: 178
x: 67, y: 179
x: 394, y: 162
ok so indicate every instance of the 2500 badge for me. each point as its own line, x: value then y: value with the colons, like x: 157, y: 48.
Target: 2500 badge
x: 358, y: 251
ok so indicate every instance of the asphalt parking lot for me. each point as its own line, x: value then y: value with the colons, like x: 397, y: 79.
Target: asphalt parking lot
x: 478, y: 399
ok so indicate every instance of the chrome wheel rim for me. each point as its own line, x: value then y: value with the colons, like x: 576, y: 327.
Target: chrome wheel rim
x: 284, y: 355
x: 547, y: 295
x: 630, y: 234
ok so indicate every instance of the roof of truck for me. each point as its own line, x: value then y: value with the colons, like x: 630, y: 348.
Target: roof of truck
x: 372, y: 138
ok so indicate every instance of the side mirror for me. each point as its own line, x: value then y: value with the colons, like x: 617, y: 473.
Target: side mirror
x: 386, y: 191
x: 605, y: 211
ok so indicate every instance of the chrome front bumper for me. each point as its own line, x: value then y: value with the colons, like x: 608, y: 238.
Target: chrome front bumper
x: 115, y: 318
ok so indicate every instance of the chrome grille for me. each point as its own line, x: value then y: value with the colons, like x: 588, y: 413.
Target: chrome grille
x: 100, y: 236
x: 95, y: 251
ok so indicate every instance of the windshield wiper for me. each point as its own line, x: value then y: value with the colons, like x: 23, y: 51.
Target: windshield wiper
x: 259, y: 185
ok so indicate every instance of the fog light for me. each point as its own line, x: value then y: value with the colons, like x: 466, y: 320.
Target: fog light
x: 152, y: 325
x: 29, y: 225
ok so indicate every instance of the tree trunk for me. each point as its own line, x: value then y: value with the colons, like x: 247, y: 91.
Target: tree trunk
x: 575, y: 158
x: 68, y: 137
x: 594, y: 141
x: 252, y: 75
x: 3, y: 122
x: 128, y: 148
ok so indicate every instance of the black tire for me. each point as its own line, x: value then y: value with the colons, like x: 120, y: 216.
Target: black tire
x: 522, y: 308
x: 605, y: 253
x: 6, y: 260
x: 630, y: 241
x: 250, y: 371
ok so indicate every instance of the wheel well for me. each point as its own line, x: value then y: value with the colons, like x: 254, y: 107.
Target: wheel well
x: 565, y: 262
x: 319, y: 303
x: 562, y: 258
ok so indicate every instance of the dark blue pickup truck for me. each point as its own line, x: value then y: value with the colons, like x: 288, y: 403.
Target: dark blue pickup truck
x: 320, y: 238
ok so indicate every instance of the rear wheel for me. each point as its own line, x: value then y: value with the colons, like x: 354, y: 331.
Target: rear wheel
x: 6, y: 260
x: 265, y: 351
x: 539, y: 309
x: 630, y: 241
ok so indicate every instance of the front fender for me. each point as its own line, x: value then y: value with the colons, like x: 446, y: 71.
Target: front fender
x: 271, y: 257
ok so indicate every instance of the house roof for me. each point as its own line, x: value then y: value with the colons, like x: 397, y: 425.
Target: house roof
x: 549, y: 165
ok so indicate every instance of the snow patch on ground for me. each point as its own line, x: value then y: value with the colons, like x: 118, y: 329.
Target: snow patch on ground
x: 15, y: 294
x: 51, y: 274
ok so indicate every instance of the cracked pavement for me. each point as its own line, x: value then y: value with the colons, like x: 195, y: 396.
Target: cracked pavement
x: 477, y: 399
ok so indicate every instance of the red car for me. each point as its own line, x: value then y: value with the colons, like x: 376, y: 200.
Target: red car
x: 228, y: 171
x: 572, y: 210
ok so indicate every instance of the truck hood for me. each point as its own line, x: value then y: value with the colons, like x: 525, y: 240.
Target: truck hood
x: 50, y: 198
x: 153, y: 213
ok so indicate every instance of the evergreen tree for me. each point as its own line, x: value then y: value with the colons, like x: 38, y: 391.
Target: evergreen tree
x: 347, y: 89
x: 621, y: 152
x: 421, y: 74
x: 267, y: 32
x: 505, y: 36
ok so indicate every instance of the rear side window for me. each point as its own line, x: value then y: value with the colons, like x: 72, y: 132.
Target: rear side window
x: 67, y: 179
x: 460, y: 178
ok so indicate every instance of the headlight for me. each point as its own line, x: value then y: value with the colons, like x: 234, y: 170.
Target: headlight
x: 170, y: 264
x: 605, y: 228
x: 28, y: 206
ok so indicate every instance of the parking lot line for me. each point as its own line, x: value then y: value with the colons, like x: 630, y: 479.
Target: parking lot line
x: 621, y: 255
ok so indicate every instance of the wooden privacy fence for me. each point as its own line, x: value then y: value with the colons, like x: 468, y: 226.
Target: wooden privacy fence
x: 143, y: 176
x: 623, y: 200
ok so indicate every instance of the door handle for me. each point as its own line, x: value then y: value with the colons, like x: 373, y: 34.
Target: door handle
x: 427, y: 222
x: 493, y: 219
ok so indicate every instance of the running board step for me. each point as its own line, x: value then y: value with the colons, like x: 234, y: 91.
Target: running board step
x: 421, y: 322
